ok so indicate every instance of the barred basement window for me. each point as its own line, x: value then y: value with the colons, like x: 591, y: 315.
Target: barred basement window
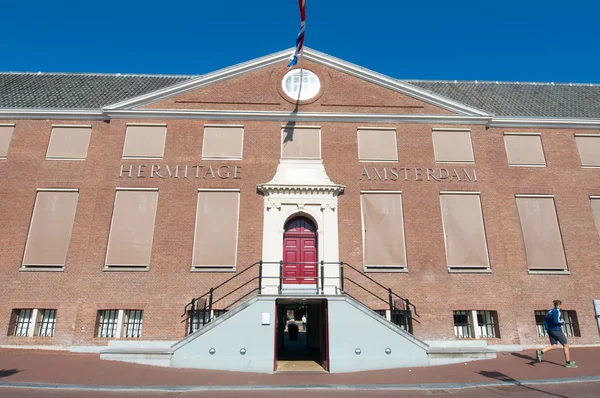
x: 398, y: 317
x: 476, y: 324
x: 487, y: 322
x: 200, y: 318
x: 107, y: 323
x: 539, y: 323
x: 462, y: 325
x: 133, y: 323
x: 47, y: 323
x: 570, y: 328
x: 22, y: 322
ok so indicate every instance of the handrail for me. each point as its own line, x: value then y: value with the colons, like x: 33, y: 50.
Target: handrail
x: 407, y: 301
x: 319, y: 278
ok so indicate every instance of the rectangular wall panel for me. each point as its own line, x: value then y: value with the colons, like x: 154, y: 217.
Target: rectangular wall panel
x: 50, y: 229
x: 132, y: 228
x: 69, y: 143
x: 222, y: 142
x: 541, y: 233
x: 301, y: 143
x: 383, y: 226
x: 377, y: 145
x: 466, y: 245
x: 215, y: 241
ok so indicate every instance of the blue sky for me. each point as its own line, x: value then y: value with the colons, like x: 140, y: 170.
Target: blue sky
x: 526, y: 40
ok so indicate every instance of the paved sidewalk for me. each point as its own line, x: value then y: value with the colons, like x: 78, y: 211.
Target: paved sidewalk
x: 56, y: 367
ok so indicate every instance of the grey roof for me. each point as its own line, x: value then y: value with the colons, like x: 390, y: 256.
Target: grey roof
x: 521, y: 99
x: 93, y: 91
x: 76, y: 91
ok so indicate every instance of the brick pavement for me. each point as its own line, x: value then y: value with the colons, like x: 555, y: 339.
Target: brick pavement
x: 40, y: 366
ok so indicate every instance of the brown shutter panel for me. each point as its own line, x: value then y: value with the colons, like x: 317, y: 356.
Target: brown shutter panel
x: 589, y: 150
x: 377, y: 145
x: 132, y: 228
x: 69, y: 143
x: 215, y: 241
x: 453, y: 146
x: 301, y: 143
x: 222, y: 142
x: 6, y: 133
x: 541, y: 233
x: 524, y: 150
x: 383, y: 225
x: 50, y: 229
x: 466, y: 244
x: 596, y: 210
x: 145, y: 142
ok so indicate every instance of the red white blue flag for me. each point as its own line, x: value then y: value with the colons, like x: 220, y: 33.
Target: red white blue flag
x: 300, y: 38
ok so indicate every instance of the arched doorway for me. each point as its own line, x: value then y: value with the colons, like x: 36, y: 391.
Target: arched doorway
x: 300, y: 252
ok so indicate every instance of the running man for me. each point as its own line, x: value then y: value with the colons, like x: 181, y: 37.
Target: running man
x: 553, y: 323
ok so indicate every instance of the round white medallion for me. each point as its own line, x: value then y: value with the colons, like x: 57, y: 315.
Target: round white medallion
x: 308, y: 89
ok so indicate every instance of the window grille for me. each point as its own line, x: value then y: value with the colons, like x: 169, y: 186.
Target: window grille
x: 107, y: 323
x: 133, y: 323
x: 570, y: 328
x: 487, y: 324
x: 47, y: 323
x: 462, y: 325
x: 196, y: 318
x: 23, y: 322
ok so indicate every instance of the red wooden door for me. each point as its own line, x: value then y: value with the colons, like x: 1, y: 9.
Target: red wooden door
x: 300, y: 252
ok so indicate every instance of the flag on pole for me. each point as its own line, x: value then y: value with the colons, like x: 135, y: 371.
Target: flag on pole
x: 300, y: 38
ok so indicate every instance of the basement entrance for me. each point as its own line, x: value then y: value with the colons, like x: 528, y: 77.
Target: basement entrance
x: 301, y: 346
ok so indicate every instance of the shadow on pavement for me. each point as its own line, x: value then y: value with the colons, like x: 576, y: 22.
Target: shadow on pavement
x: 533, y: 360
x: 8, y: 372
x: 507, y: 379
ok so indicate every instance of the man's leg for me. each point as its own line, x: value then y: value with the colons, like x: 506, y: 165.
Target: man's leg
x: 567, y: 352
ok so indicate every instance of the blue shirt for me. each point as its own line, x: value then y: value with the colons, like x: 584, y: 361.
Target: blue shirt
x: 553, y: 320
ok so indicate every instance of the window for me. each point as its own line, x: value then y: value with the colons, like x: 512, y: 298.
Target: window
x: 145, y: 141
x: 541, y: 234
x: 301, y: 143
x: 69, y: 142
x: 216, y: 248
x: 6, y: 132
x: 476, y: 324
x: 201, y: 317
x: 309, y: 88
x: 595, y: 200
x: 464, y: 231
x: 32, y: 322
x: 119, y: 323
x: 132, y: 228
x: 383, y: 231
x: 452, y: 146
x: 570, y: 328
x: 588, y: 146
x: 50, y: 229
x: 133, y: 323
x: 397, y: 317
x: 377, y: 145
x: 223, y: 142
x: 47, y: 323
x: 524, y: 149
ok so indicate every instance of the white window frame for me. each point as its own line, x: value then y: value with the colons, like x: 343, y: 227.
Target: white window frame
x: 121, y: 318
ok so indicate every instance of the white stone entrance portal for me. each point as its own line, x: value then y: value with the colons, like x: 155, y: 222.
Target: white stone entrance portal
x: 300, y: 187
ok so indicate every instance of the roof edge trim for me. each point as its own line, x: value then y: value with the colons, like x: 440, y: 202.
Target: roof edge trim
x: 52, y: 114
x: 200, y: 81
x: 545, y: 122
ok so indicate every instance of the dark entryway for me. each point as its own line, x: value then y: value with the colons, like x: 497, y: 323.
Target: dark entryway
x: 300, y: 252
x: 301, y: 346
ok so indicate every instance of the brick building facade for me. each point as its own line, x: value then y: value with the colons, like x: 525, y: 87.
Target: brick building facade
x: 486, y: 186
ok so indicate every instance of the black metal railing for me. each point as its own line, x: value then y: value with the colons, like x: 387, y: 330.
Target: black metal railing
x: 198, y: 312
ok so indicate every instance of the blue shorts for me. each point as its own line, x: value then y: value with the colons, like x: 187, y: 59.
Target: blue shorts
x: 557, y: 336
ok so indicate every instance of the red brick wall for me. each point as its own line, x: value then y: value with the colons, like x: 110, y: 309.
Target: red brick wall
x: 83, y: 287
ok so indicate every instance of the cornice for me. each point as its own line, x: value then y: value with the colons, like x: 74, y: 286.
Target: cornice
x: 201, y: 81
x: 392, y: 84
x: 294, y: 117
x: 542, y: 122
x: 52, y: 114
x: 488, y: 121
